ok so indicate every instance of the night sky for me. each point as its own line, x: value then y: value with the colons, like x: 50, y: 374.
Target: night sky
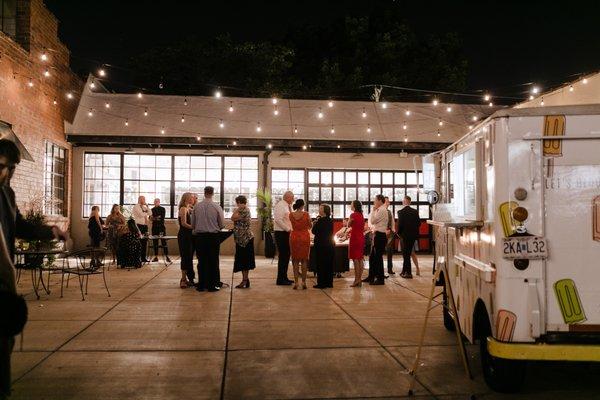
x: 507, y: 43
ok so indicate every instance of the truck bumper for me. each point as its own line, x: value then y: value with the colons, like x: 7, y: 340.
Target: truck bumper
x: 543, y: 351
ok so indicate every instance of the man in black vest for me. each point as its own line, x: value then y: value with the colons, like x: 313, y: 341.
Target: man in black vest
x: 158, y: 229
x: 407, y: 228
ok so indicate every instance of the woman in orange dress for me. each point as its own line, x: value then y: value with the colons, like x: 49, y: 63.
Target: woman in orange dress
x: 300, y: 241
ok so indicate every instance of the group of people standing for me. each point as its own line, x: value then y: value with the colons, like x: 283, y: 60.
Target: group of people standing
x: 128, y: 239
x: 292, y: 227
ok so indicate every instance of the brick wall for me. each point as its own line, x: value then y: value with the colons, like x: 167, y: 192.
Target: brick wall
x: 30, y: 110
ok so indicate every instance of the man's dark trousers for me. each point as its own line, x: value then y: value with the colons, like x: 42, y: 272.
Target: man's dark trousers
x: 208, y: 246
x: 282, y: 240
x: 407, y: 246
x: 376, y: 257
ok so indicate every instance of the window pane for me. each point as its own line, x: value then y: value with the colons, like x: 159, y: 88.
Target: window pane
x: 411, y: 178
x: 388, y: 192
x: 313, y: 194
x: 325, y: 194
x: 399, y: 194
x: 313, y: 210
x: 350, y: 194
x: 338, y: 177
x: 424, y: 212
x: 412, y: 193
x: 313, y: 177
x: 387, y: 178
x: 326, y: 178
x: 363, y: 193
x: 375, y: 178
x: 399, y: 178
x: 363, y: 178
x: 350, y: 178
x: 338, y: 211
x: 338, y: 194
x: 279, y: 175
x: 296, y: 176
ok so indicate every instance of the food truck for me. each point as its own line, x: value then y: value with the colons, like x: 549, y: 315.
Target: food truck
x: 517, y: 235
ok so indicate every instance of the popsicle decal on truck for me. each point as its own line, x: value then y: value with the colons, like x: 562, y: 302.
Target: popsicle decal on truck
x: 554, y: 125
x: 596, y: 219
x: 508, y: 224
x: 505, y: 325
x: 569, y: 302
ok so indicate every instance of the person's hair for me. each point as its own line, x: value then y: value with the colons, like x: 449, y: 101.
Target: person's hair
x: 9, y: 149
x: 380, y: 198
x: 386, y: 197
x: 95, y: 208
x: 298, y: 204
x: 132, y: 226
x: 112, y: 210
x: 408, y: 198
x: 184, y: 199
x: 326, y: 210
x: 241, y: 199
x: 209, y: 191
x: 357, y: 205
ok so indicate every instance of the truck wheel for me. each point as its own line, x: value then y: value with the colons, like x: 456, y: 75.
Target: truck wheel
x: 448, y: 320
x: 502, y: 375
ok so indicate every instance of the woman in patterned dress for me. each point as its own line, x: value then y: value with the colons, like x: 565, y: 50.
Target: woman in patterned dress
x: 244, y: 241
x: 130, y: 246
x: 115, y: 223
x: 300, y: 241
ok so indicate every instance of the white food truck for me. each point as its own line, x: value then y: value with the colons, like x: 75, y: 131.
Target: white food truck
x: 517, y: 227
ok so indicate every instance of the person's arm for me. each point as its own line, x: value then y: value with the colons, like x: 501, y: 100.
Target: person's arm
x: 28, y: 231
x: 316, y: 227
x: 183, y: 212
x: 235, y: 216
x: 7, y: 275
x: 399, y: 223
x: 193, y: 218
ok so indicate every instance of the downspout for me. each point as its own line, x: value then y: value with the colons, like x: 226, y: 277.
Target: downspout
x: 265, y: 165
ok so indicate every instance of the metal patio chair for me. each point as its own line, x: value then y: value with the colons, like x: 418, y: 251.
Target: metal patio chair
x: 88, y: 262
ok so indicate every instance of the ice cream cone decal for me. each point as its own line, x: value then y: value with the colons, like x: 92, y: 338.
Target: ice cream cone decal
x: 505, y: 325
x: 508, y: 224
x: 554, y: 125
x: 568, y: 301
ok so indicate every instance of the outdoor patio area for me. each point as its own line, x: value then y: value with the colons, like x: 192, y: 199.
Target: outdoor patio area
x: 151, y: 339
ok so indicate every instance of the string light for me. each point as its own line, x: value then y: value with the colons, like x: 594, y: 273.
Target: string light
x: 368, y: 128
x: 332, y: 130
x: 448, y: 109
x: 102, y: 72
x: 231, y: 106
x: 126, y: 122
x: 274, y: 100
x: 441, y: 123
x: 145, y: 112
x: 304, y: 147
x: 585, y: 81
x: 162, y: 130
x: 185, y: 102
x: 542, y: 103
x: 474, y: 118
x: 107, y: 105
x: 296, y: 129
x: 47, y: 73
x: 44, y: 56
x: 470, y: 127
x: 571, y: 88
x: 198, y: 138
x: 404, y: 126
x: 491, y: 104
x: 330, y: 103
x: 320, y: 114
x: 234, y: 143
x: 258, y: 127
x: 70, y: 96
x: 407, y: 113
x: 535, y: 90
x: 531, y: 97
x: 364, y: 113
x: 269, y: 146
x: 405, y: 138
x: 92, y: 85
x: 276, y: 111
x: 438, y: 133
x: 55, y: 102
x: 435, y: 102
x: 182, y: 118
x: 139, y: 95
x: 372, y: 144
x: 221, y: 124
x: 487, y: 97
x: 30, y: 83
x: 384, y: 105
x: 339, y: 147
x: 218, y: 93
x: 90, y: 113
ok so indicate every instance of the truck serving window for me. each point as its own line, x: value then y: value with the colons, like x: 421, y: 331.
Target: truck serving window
x: 464, y: 183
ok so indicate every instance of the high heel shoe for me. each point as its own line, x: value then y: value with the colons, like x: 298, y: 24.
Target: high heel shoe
x: 245, y: 284
x: 183, y: 283
x: 303, y: 285
x: 295, y: 286
x: 356, y: 284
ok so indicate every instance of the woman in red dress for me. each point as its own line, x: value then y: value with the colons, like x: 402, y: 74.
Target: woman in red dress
x: 356, y: 247
x: 300, y: 241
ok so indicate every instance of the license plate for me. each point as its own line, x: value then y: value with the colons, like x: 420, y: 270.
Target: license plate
x: 524, y: 247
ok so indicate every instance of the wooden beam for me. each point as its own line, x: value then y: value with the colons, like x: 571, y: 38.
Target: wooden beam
x: 213, y: 143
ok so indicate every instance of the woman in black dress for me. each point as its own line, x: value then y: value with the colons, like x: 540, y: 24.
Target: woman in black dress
x: 324, y: 247
x: 185, y: 240
x: 95, y: 226
x: 244, y: 241
x: 130, y: 246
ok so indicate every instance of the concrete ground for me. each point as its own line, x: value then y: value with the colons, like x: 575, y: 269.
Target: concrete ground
x: 152, y: 340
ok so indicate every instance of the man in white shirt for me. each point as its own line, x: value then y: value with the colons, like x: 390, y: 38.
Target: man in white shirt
x: 141, y: 214
x: 378, y: 222
x: 283, y: 227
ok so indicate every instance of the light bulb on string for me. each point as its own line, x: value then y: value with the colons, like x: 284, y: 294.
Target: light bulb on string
x: 487, y: 97
x: 55, y: 102
x: 47, y: 73
x: 269, y: 146
x: 198, y: 138
x: 535, y: 90
x: 441, y: 123
x: 470, y: 127
x: 231, y: 106
x: 364, y: 113
x: 339, y: 147
x: 126, y: 122
x: 101, y: 72
x: 372, y: 144
x: 296, y: 129
x: 274, y: 100
x: 69, y: 95
x: 162, y: 130
x: 30, y: 83
x: 235, y: 143
x: 405, y: 138
x: 320, y: 113
x: 218, y: 93
x: 258, y: 127
x: 304, y: 147
x: 107, y: 105
x: 92, y: 85
x: 404, y: 126
x: 491, y: 104
x: 139, y: 95
x: 542, y: 103
x: 44, y: 56
x: 368, y: 128
x: 531, y: 97
x: 145, y: 112
x: 435, y: 102
x: 221, y: 124
x: 571, y: 88
x: 276, y: 111
x: 384, y: 104
x: 407, y: 113
x: 330, y: 103
x: 185, y: 103
x: 438, y: 133
x: 182, y: 118
x: 332, y: 130
x: 474, y: 118
x: 90, y: 113
x: 584, y: 81
x: 448, y: 109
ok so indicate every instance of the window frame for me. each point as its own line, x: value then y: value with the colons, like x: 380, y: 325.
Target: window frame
x: 50, y: 172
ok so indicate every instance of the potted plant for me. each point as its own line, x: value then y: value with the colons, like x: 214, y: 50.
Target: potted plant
x: 265, y: 213
x: 35, y: 216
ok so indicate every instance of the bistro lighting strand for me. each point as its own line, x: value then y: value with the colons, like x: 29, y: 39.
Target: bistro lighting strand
x: 231, y: 106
